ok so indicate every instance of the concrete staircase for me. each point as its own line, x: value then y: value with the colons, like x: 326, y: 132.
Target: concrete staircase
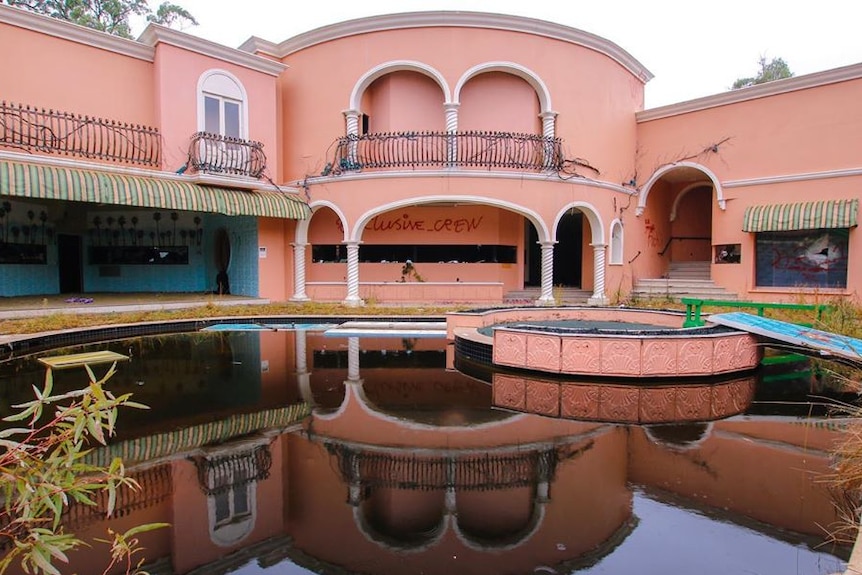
x: 684, y: 279
x: 565, y: 296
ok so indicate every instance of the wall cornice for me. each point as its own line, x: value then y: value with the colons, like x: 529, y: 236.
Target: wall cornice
x: 451, y: 19
x: 852, y: 72
x: 789, y: 178
x: 436, y: 174
x: 75, y: 33
x: 155, y: 34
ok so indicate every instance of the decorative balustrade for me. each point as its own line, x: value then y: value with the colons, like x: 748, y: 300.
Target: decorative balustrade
x: 447, y: 149
x: 55, y: 132
x: 216, y: 154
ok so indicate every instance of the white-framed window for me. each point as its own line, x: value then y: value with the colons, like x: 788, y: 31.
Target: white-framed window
x: 616, y: 243
x: 222, y: 105
x: 222, y: 116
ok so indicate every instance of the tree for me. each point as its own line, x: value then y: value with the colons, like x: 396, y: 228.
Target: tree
x: 110, y: 16
x: 775, y: 69
x: 43, y: 470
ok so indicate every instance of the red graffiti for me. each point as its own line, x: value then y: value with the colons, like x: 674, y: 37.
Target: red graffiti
x: 406, y: 224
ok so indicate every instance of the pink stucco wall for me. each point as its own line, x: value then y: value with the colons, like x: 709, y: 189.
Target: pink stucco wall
x: 313, y: 102
x: 177, y: 72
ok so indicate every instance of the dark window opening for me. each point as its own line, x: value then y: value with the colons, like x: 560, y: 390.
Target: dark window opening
x: 803, y: 258
x: 419, y: 254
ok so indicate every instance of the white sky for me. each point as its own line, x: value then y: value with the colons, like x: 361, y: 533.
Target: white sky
x: 693, y: 48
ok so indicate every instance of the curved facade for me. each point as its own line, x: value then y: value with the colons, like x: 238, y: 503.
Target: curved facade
x: 439, y: 157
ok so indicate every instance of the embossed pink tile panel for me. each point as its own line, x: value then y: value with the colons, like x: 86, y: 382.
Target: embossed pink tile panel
x: 543, y: 397
x: 693, y: 403
x: 620, y: 356
x: 580, y: 355
x: 510, y: 391
x: 658, y: 357
x: 657, y: 404
x: 736, y: 353
x: 510, y: 348
x: 618, y: 403
x: 695, y: 357
x: 579, y: 401
x: 543, y: 352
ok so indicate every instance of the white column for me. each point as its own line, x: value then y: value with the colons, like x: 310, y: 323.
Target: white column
x: 303, y: 377
x: 599, y: 297
x: 352, y: 117
x: 547, y: 297
x: 352, y: 298
x: 451, y: 129
x: 353, y: 359
x: 299, y: 273
x: 549, y: 131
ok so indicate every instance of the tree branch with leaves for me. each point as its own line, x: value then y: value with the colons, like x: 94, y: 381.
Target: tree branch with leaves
x: 111, y: 16
x: 43, y: 471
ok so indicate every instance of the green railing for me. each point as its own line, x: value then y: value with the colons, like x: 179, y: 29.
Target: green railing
x: 694, y: 308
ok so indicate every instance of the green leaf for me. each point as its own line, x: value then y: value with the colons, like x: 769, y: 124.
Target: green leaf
x: 144, y: 528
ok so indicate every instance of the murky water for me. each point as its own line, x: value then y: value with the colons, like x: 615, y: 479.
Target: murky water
x: 293, y: 452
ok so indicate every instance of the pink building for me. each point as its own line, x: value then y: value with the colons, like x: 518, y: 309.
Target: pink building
x: 426, y: 157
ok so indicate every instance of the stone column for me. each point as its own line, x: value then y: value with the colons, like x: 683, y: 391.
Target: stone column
x: 352, y: 359
x: 303, y: 377
x: 599, y: 297
x: 352, y: 298
x: 549, y: 131
x: 547, y: 296
x: 352, y: 117
x: 299, y: 273
x: 452, y: 130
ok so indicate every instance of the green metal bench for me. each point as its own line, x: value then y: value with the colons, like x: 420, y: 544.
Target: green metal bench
x: 694, y: 308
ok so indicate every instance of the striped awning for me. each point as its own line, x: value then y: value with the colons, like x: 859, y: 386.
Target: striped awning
x: 824, y: 214
x: 41, y: 182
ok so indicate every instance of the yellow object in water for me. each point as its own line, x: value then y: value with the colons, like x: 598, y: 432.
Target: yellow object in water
x: 80, y: 359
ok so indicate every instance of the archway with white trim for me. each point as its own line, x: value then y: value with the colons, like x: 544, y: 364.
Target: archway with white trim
x: 677, y: 205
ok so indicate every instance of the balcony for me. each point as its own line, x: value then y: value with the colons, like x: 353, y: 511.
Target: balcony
x: 68, y: 134
x: 216, y: 154
x: 486, y: 150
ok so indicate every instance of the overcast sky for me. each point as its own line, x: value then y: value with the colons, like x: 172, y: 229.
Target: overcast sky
x: 694, y: 49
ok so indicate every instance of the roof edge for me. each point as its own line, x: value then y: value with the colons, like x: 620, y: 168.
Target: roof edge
x: 154, y: 34
x: 774, y: 88
x: 75, y: 33
x: 451, y: 19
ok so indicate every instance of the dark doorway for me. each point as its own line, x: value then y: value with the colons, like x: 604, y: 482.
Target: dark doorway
x: 532, y: 256
x: 222, y: 261
x: 70, y: 264
x: 568, y: 252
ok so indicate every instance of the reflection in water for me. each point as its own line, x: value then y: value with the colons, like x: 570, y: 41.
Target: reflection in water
x: 270, y: 449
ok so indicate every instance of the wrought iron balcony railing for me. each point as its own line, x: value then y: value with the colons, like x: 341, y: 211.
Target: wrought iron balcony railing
x: 487, y: 150
x: 215, y: 154
x: 54, y: 132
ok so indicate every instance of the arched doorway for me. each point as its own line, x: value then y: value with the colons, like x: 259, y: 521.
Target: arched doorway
x: 569, y: 249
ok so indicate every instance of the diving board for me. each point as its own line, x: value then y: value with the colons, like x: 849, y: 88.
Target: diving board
x: 388, y: 329
x: 80, y: 359
x: 821, y: 342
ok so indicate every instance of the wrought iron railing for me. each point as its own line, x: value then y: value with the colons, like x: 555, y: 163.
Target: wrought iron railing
x: 447, y: 149
x: 55, y: 132
x: 216, y: 154
x: 220, y: 474
x: 479, y: 472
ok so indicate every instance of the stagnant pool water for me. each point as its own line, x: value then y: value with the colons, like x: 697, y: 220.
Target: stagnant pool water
x: 292, y: 452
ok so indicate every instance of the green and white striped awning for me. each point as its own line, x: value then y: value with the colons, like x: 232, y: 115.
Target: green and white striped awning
x: 42, y: 182
x: 824, y: 214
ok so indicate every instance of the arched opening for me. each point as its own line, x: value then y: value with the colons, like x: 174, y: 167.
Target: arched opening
x: 569, y: 249
x: 402, y: 101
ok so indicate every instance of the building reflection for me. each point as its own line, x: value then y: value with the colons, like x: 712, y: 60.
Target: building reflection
x: 371, y: 456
